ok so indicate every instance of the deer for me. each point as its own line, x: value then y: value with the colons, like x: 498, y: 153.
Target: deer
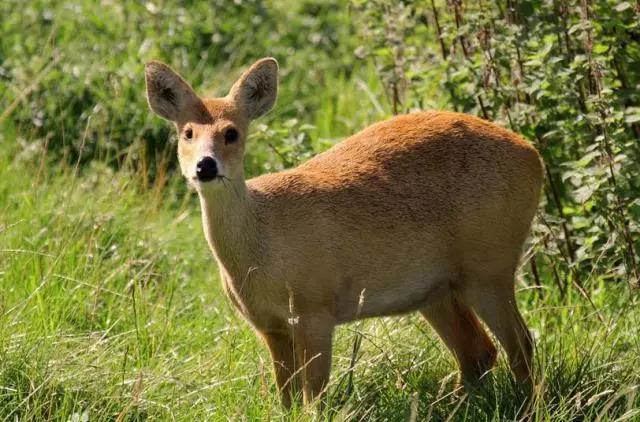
x: 427, y: 212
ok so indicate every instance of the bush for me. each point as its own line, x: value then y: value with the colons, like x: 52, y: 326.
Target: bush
x: 563, y: 74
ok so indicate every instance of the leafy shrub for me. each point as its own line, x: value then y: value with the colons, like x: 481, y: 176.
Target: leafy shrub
x: 563, y: 74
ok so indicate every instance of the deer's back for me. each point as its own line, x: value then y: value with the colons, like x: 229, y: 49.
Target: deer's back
x: 428, y: 168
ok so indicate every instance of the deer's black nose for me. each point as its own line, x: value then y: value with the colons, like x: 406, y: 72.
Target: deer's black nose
x: 206, y: 169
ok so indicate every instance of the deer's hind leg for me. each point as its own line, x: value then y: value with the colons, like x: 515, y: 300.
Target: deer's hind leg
x: 463, y: 334
x: 494, y: 301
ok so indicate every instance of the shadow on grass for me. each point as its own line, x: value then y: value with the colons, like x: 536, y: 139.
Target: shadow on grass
x: 587, y: 388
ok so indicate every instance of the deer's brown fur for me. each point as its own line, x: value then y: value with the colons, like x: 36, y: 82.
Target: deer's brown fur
x: 423, y: 212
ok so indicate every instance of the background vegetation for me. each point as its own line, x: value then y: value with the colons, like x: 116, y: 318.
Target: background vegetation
x: 109, y: 302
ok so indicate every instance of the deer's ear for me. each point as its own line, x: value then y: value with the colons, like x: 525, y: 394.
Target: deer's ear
x: 168, y: 94
x: 256, y: 90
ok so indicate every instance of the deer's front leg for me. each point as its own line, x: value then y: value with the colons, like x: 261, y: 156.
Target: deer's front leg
x: 313, y: 341
x: 282, y: 352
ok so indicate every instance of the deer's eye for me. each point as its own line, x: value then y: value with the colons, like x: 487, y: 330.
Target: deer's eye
x: 188, y: 133
x: 230, y: 136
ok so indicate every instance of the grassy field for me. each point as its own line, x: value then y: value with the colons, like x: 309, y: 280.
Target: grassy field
x: 111, y: 306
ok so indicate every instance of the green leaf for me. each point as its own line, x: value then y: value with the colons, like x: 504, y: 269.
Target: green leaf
x: 584, y: 161
x: 600, y: 48
x: 583, y: 193
x: 623, y: 6
x: 632, y: 115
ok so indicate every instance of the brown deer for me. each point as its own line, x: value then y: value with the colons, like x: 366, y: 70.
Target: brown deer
x: 423, y: 212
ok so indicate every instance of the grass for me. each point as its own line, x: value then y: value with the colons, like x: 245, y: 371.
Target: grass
x: 111, y: 308
x: 110, y: 302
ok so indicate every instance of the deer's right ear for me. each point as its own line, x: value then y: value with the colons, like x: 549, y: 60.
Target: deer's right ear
x: 168, y: 94
x: 256, y: 90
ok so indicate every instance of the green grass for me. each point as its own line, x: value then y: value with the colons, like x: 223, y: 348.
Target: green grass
x: 111, y: 306
x: 110, y: 302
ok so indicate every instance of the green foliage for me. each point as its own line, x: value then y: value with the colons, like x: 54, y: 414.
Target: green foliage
x: 564, y: 75
x: 75, y: 80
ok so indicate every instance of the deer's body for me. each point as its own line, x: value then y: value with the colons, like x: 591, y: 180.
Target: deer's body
x: 427, y: 211
x: 399, y: 212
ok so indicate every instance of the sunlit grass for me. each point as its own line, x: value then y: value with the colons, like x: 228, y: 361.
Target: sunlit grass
x: 111, y: 307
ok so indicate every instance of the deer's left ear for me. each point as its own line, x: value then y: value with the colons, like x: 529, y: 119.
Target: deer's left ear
x: 256, y: 90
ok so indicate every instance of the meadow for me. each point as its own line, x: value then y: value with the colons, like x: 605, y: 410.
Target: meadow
x: 111, y: 306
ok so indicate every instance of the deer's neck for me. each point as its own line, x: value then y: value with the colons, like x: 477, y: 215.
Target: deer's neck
x: 230, y: 228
